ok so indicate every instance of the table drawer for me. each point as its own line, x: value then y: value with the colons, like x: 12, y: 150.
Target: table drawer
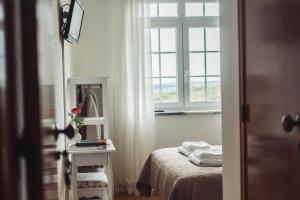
x: 90, y: 159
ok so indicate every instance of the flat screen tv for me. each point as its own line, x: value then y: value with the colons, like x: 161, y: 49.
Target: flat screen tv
x: 74, y: 22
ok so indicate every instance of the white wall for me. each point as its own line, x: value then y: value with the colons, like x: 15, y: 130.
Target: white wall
x: 173, y: 130
x: 95, y: 55
x: 230, y: 100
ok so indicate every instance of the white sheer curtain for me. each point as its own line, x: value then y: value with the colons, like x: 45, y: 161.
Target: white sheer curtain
x: 133, y: 116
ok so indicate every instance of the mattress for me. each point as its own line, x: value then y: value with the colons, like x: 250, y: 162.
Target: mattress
x: 172, y: 176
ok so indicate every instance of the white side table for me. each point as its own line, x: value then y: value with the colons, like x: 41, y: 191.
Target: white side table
x: 91, y: 156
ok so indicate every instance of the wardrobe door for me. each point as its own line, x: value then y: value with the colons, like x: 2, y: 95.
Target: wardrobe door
x: 51, y: 98
x: 31, y: 101
x: 43, y: 48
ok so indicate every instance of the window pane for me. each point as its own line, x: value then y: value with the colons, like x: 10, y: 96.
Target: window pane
x: 168, y: 64
x: 213, y: 88
x: 193, y: 9
x: 213, y: 39
x: 156, y: 90
x: 213, y: 63
x: 168, y: 40
x: 168, y: 9
x: 212, y: 9
x: 197, y: 64
x: 197, y: 89
x: 153, y: 10
x: 168, y: 90
x: 154, y: 40
x: 155, y: 65
x: 196, y: 39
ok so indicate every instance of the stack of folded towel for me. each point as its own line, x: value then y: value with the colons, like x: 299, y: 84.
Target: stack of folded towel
x: 210, y: 158
x: 202, y: 154
x: 189, y: 147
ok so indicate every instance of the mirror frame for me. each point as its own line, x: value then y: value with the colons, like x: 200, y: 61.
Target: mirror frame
x: 73, y: 82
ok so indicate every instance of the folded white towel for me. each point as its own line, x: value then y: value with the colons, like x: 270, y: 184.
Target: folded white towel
x: 183, y: 151
x: 192, y: 146
x: 214, y: 152
x: 188, y: 147
x: 205, y: 162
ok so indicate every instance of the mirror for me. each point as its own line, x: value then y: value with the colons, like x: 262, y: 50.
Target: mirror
x: 89, y: 98
x: 89, y: 95
x: 91, y: 132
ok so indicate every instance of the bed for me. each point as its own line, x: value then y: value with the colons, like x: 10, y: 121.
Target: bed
x: 172, y: 176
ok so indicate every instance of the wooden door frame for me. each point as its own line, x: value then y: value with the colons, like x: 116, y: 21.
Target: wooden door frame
x: 243, y: 97
x: 32, y: 132
x: 9, y: 147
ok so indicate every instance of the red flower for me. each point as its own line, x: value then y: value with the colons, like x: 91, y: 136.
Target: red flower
x: 76, y: 110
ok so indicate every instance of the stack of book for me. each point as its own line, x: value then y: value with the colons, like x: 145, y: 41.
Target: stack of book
x: 91, y: 143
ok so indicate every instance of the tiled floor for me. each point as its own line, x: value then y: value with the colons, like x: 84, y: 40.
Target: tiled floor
x: 126, y: 197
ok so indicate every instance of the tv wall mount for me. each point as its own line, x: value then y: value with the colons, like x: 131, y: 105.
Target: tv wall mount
x: 64, y: 17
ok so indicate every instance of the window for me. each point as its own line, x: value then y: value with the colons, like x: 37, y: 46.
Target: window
x: 185, y: 50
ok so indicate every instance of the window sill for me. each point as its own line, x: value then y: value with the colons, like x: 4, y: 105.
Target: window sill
x: 200, y: 112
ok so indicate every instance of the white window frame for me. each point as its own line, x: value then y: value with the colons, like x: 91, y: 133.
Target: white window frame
x: 179, y: 62
x: 183, y: 84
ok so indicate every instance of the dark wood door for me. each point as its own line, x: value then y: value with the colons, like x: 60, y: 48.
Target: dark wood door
x: 270, y: 66
x: 31, y: 100
x: 8, y: 102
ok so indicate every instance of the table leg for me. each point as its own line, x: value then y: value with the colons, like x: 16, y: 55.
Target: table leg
x: 110, y: 178
x: 74, y: 179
